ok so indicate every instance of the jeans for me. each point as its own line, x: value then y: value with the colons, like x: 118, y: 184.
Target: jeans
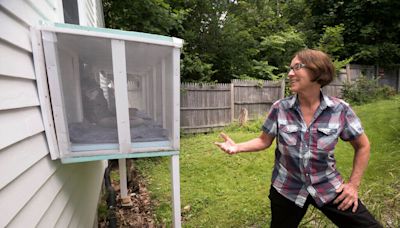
x: 286, y: 213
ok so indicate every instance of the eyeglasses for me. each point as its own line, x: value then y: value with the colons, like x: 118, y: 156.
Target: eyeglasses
x: 297, y: 66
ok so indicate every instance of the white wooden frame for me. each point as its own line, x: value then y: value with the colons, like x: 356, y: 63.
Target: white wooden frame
x: 56, y: 91
x: 125, y: 146
x: 43, y: 92
x: 121, y: 95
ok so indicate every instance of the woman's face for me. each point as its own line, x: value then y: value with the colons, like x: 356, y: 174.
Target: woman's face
x: 300, y: 77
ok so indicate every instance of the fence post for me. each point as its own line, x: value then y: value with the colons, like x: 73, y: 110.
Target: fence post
x: 232, y: 102
x: 348, y: 76
x: 282, y: 94
x: 398, y: 79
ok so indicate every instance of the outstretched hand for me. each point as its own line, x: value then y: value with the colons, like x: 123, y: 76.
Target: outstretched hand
x: 228, y: 146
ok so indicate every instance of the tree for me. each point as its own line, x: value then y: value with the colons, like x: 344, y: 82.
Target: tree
x: 227, y: 39
x: 280, y: 47
x: 371, y: 27
x: 151, y: 16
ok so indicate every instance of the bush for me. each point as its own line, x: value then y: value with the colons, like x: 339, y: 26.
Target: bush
x: 365, y: 90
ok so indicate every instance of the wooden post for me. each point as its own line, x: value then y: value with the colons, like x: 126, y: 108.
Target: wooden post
x: 121, y: 102
x: 398, y: 80
x: 282, y: 93
x: 125, y: 199
x: 232, y: 102
x: 175, y: 184
x: 348, y: 76
x: 163, y: 92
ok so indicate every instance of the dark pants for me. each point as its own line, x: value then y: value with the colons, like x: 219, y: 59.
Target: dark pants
x: 286, y: 213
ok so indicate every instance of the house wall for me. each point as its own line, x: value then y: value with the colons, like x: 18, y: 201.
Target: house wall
x: 35, y: 190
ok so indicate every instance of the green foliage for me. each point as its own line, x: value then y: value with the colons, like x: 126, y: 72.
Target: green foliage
x: 332, y: 41
x: 114, y: 175
x: 365, y: 90
x: 151, y: 16
x: 262, y: 70
x: 279, y: 47
x: 102, y: 210
x: 368, y: 36
x: 256, y: 39
x: 194, y: 69
x: 253, y: 126
x: 340, y: 64
x: 233, y: 56
x: 219, y: 190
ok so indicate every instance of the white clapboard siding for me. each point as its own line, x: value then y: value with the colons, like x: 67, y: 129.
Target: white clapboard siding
x: 17, y: 93
x: 18, y: 34
x: 19, y: 124
x: 73, y: 208
x: 81, y: 208
x: 77, y: 200
x: 92, y: 13
x: 53, y: 213
x: 21, y: 156
x: 35, y: 191
x: 91, y: 17
x: 15, y: 62
x: 31, y: 12
x: 41, y: 201
x: 15, y: 195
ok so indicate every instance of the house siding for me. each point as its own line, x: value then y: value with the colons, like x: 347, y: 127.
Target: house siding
x: 35, y: 191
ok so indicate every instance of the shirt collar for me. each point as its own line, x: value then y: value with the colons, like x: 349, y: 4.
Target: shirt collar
x: 325, y: 101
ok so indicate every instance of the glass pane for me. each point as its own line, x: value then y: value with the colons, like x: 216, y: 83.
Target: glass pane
x: 88, y: 90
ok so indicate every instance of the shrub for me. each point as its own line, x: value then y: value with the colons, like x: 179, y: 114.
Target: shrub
x: 365, y: 90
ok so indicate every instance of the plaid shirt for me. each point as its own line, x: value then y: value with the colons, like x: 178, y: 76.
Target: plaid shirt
x: 304, y: 156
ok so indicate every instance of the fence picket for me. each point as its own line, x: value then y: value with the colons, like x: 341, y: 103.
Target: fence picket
x: 206, y: 106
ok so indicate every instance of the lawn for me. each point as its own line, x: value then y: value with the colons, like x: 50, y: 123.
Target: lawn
x: 218, y: 190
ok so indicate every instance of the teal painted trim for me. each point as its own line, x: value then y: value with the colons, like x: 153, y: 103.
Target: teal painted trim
x: 116, y: 32
x: 92, y: 147
x: 151, y: 144
x: 118, y: 156
x: 114, y: 146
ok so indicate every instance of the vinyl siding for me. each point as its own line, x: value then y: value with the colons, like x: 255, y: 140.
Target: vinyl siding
x: 91, y: 11
x: 35, y: 190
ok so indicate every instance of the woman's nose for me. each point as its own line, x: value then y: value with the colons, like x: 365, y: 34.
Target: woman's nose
x: 291, y: 72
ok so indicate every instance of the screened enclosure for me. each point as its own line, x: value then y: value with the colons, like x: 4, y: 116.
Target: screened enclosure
x: 112, y: 92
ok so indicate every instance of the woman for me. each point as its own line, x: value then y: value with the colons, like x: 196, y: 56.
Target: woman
x: 307, y: 126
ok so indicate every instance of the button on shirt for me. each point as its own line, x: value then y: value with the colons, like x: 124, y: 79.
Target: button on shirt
x: 304, y: 156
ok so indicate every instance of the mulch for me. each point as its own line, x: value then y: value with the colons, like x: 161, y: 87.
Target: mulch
x: 140, y: 213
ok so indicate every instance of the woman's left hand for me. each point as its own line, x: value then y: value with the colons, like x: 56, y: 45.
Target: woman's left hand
x: 348, y: 196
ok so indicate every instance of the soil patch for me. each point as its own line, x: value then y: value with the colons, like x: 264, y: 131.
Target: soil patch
x: 139, y: 214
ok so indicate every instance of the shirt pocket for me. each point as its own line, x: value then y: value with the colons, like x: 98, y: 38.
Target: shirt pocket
x: 288, y: 135
x: 327, y: 138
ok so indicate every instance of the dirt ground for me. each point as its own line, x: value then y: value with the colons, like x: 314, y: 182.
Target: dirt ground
x: 140, y: 213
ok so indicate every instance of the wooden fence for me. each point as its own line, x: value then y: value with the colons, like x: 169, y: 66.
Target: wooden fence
x: 389, y: 76
x: 334, y: 88
x: 208, y: 106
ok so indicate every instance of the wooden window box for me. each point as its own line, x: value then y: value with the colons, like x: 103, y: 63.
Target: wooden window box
x: 107, y: 94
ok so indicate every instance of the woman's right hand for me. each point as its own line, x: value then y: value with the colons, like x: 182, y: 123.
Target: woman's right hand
x: 228, y: 146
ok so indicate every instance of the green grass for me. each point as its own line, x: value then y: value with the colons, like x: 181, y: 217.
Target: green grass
x: 232, y: 191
